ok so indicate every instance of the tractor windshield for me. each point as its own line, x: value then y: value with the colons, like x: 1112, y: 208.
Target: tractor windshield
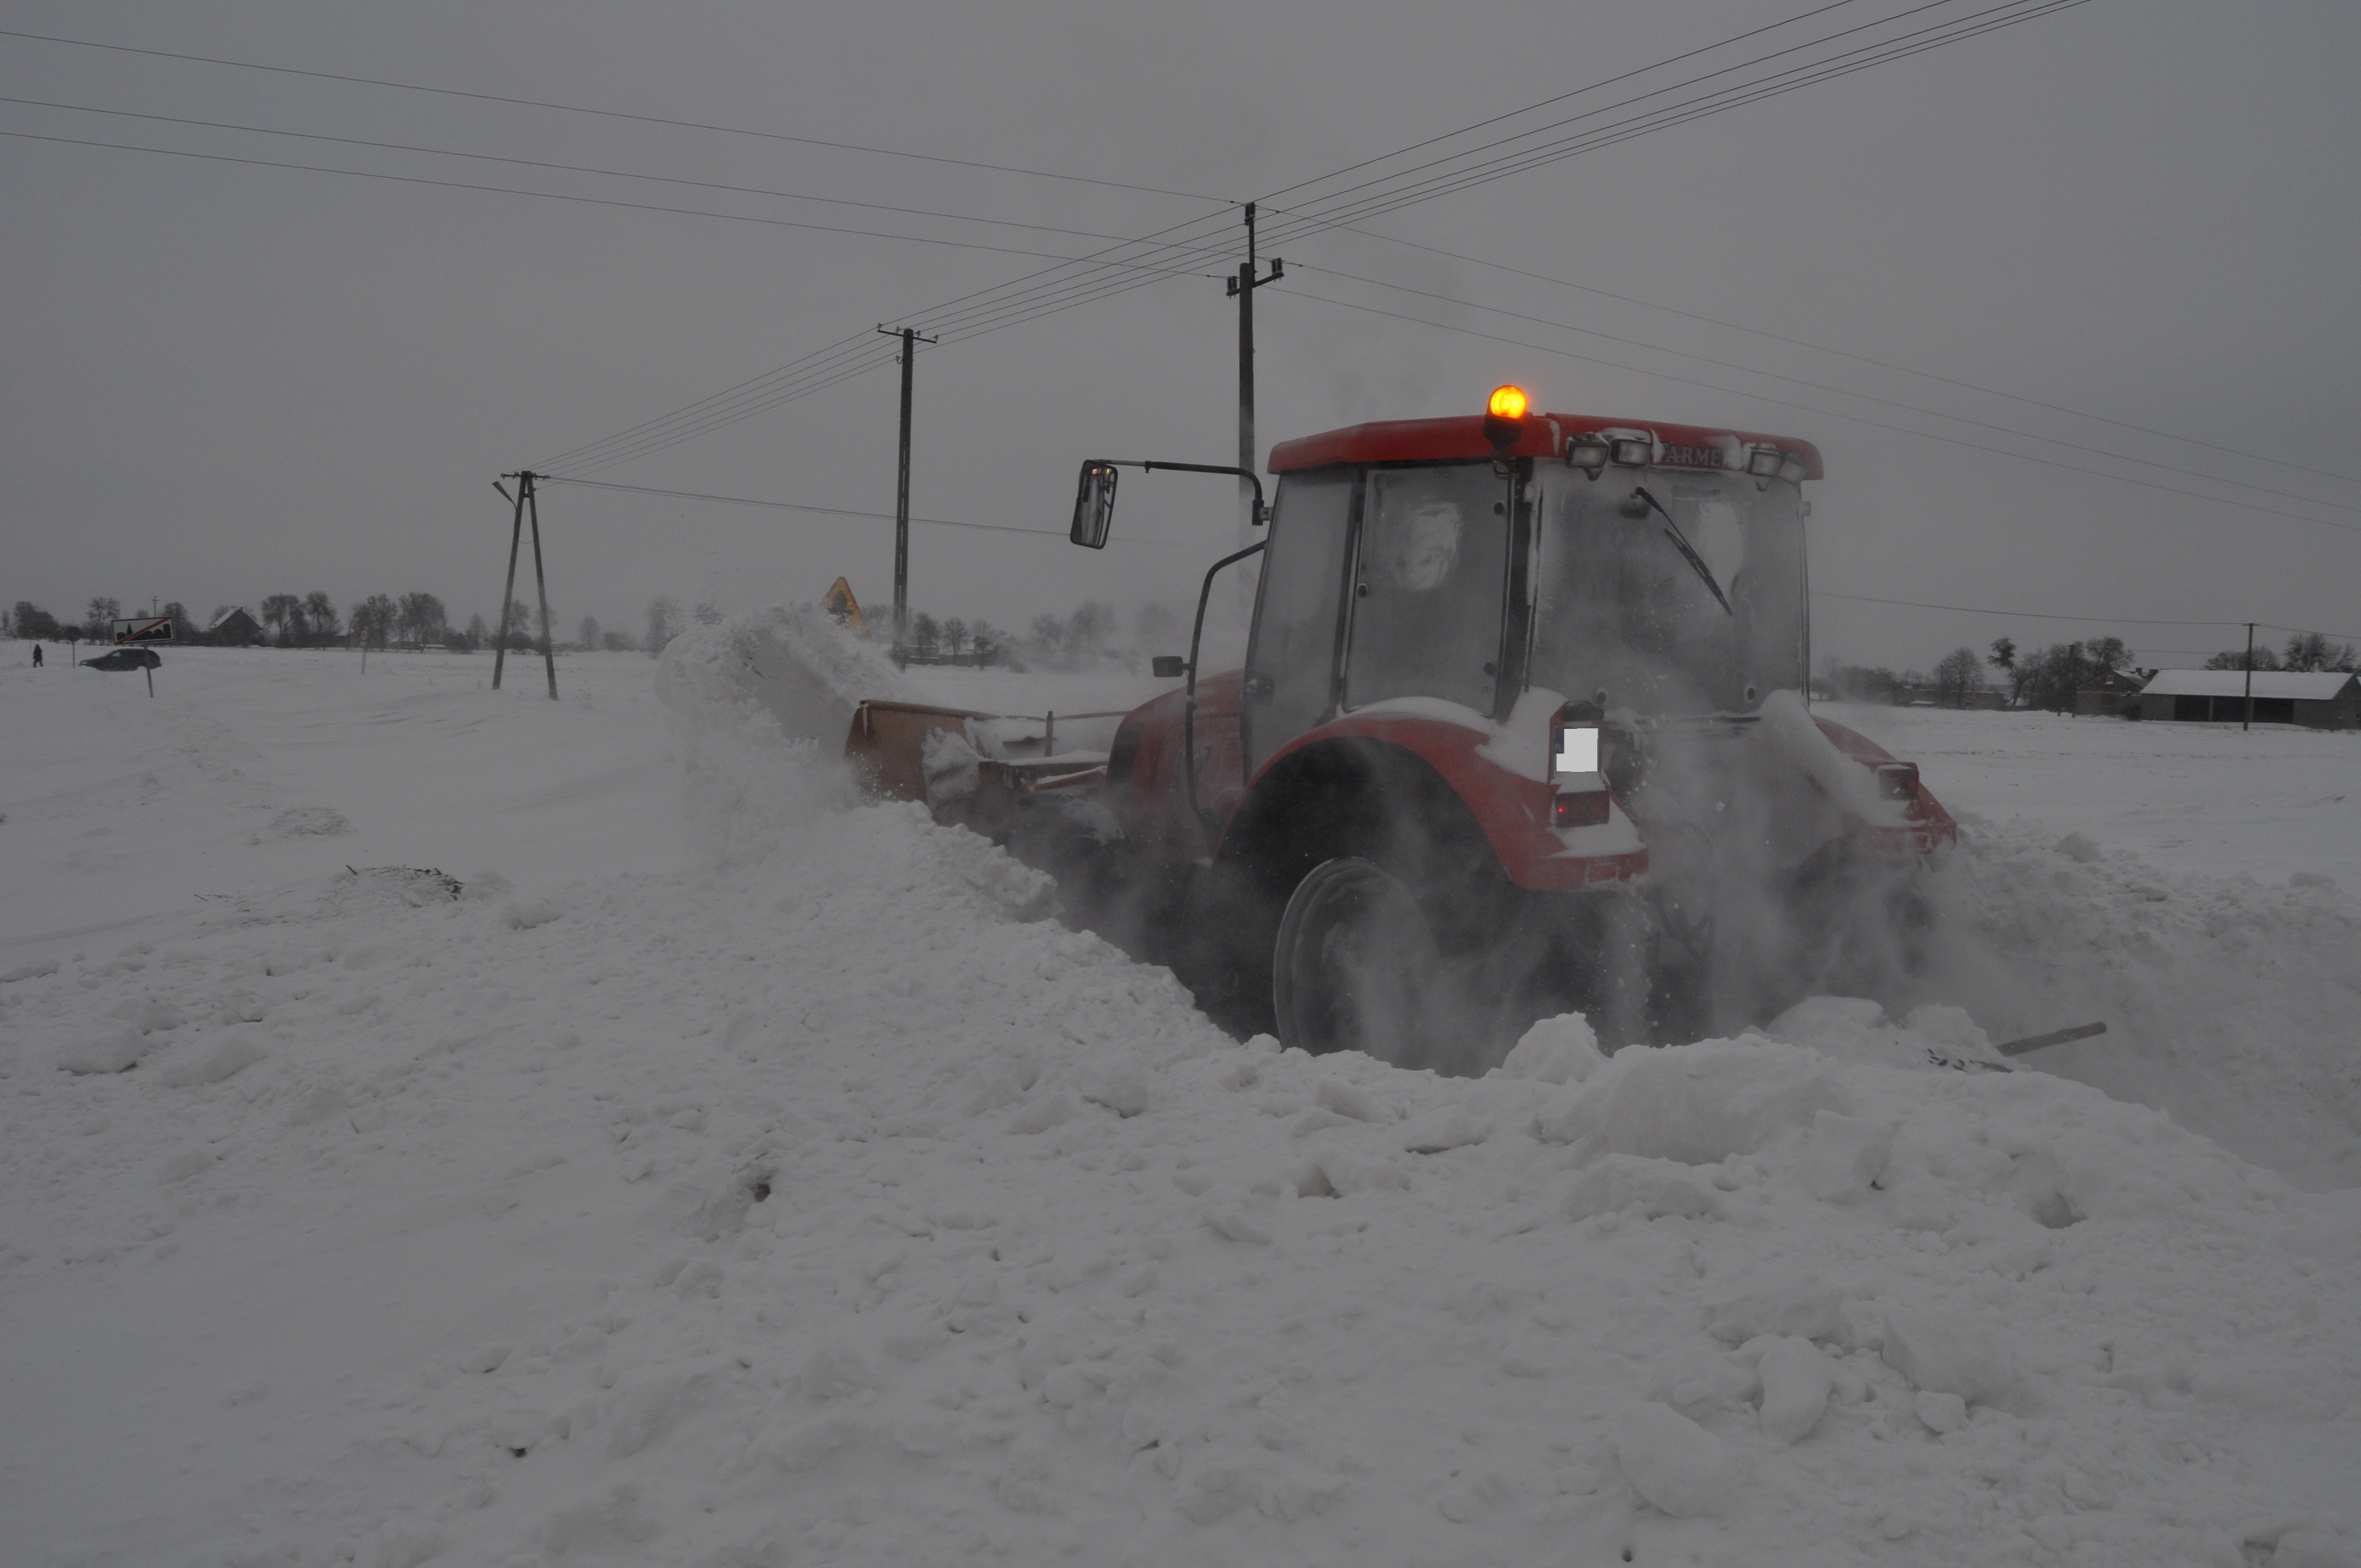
x: 1682, y: 595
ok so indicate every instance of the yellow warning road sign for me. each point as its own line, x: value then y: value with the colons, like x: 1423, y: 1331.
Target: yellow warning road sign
x: 839, y: 603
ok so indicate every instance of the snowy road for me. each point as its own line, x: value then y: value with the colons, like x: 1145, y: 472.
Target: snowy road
x: 736, y: 1175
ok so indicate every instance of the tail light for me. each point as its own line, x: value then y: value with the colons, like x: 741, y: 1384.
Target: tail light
x: 1897, y: 781
x: 1585, y: 809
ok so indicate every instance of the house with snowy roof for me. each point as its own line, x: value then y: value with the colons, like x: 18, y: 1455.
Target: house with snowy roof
x: 2105, y: 694
x: 233, y: 625
x: 2321, y: 699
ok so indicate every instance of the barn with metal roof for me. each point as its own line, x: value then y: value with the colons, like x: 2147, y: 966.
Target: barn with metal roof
x: 2323, y: 699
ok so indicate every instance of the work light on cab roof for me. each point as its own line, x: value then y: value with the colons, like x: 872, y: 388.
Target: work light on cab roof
x: 1504, y: 418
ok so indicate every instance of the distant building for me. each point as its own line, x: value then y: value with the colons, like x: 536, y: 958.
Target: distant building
x: 234, y: 628
x: 2327, y: 699
x: 2105, y: 694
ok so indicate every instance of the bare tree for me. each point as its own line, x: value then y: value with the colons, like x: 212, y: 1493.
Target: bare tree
x: 1958, y: 675
x: 374, y: 620
x: 320, y: 617
x: 2313, y: 650
x: 283, y: 613
x: 585, y: 637
x: 98, y: 618
x: 420, y: 618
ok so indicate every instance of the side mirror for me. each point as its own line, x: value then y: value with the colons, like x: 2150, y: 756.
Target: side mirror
x: 1168, y: 666
x: 1093, y: 505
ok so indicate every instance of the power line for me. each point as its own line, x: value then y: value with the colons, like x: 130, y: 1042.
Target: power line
x: 1837, y: 392
x: 1588, y: 87
x: 2017, y: 614
x: 827, y: 512
x: 1719, y: 101
x: 992, y: 310
x: 563, y: 168
x: 988, y: 313
x: 601, y: 113
x: 1826, y: 414
x: 557, y: 196
x: 1835, y: 353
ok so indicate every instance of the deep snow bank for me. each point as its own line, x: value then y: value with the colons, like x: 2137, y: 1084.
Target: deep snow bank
x: 828, y: 1204
x: 2233, y: 1005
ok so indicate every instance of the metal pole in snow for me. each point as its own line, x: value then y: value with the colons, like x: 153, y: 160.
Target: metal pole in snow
x: 1245, y: 287
x: 2250, y: 722
x: 548, y: 655
x: 910, y: 341
x: 902, y: 502
x: 508, y: 589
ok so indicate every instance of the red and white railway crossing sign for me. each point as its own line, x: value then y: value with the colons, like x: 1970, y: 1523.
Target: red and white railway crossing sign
x: 143, y: 629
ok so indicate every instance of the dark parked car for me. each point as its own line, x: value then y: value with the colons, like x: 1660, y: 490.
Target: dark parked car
x: 125, y: 658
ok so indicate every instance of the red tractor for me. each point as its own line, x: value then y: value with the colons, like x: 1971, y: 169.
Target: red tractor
x: 1520, y: 730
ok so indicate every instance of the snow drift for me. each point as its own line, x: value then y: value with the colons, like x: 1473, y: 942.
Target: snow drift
x: 824, y: 1200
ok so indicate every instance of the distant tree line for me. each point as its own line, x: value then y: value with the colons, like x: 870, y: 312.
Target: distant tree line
x: 2049, y: 678
x: 2306, y: 651
x: 313, y: 620
x: 955, y: 640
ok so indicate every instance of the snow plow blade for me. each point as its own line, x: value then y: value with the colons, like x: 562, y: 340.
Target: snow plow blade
x: 914, y: 751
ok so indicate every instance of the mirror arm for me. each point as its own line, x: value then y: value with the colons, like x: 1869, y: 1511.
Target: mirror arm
x: 1262, y: 511
x: 1196, y: 640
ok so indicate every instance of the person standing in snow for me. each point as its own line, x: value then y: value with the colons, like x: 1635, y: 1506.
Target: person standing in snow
x: 37, y: 655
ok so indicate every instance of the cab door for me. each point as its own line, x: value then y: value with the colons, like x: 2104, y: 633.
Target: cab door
x: 1431, y: 587
x: 1291, y: 671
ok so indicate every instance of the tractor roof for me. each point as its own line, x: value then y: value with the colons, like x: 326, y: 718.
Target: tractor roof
x: 1464, y: 438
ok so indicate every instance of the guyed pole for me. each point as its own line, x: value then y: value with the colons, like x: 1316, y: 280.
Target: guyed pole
x: 507, y: 587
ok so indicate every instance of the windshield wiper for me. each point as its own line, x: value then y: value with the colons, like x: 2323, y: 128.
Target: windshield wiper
x: 1689, y: 551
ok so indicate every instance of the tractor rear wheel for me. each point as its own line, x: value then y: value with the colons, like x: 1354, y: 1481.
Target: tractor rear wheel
x: 1357, y: 967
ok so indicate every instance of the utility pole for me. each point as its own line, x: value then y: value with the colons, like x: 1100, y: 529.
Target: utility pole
x: 2249, y: 721
x: 910, y: 341
x: 526, y: 496
x: 1242, y: 288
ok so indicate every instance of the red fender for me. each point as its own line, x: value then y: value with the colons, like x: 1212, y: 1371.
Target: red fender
x: 1515, y: 813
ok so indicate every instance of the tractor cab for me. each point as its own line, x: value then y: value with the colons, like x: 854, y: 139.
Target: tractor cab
x: 1649, y: 572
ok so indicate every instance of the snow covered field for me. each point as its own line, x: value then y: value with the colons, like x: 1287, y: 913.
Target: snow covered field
x: 731, y: 1173
x: 2268, y: 804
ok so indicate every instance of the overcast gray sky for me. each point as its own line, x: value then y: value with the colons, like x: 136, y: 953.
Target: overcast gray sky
x: 223, y: 379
